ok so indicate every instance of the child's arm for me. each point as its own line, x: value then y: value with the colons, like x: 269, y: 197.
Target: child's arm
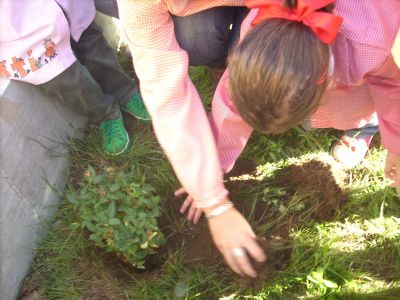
x: 231, y: 132
x: 182, y: 127
x: 179, y: 119
x: 396, y: 50
x: 385, y: 92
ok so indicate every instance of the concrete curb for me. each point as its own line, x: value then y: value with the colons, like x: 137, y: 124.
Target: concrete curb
x: 32, y: 164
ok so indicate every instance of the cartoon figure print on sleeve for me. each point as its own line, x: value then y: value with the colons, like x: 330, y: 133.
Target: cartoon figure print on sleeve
x: 33, y: 62
x: 50, y: 49
x: 21, y: 69
x: 3, y: 70
x: 18, y: 66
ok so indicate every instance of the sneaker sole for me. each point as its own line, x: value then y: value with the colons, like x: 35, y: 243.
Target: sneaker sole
x: 128, y: 146
x: 347, y: 166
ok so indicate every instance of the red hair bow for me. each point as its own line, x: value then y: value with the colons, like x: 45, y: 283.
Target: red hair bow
x: 324, y: 25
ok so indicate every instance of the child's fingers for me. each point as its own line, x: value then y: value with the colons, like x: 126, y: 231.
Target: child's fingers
x: 393, y: 175
x: 255, y: 251
x: 390, y: 172
x: 180, y: 192
x: 186, y: 204
x: 229, y: 258
x: 245, y: 266
x: 197, y: 215
x: 191, y: 213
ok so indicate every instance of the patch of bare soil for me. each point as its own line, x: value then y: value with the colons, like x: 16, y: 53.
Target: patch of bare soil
x: 196, y: 247
x: 33, y: 295
x: 326, y: 187
x: 318, y: 183
x: 31, y: 288
x: 101, y: 282
x: 319, y: 178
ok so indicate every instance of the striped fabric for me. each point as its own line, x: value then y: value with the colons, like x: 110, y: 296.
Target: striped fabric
x: 396, y: 50
x: 179, y: 119
x: 367, y: 81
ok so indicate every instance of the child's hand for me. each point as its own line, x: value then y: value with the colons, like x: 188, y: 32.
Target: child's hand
x: 231, y: 234
x: 236, y: 241
x: 392, y: 168
x: 194, y: 213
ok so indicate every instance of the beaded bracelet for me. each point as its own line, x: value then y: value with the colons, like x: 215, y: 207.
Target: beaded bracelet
x: 219, y: 210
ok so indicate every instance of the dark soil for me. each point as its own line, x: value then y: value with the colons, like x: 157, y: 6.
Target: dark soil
x: 197, y: 248
x: 31, y: 288
x: 326, y: 186
x: 313, y: 176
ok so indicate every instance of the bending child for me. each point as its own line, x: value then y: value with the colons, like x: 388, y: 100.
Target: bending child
x: 279, y: 78
x: 164, y: 38
x: 299, y: 72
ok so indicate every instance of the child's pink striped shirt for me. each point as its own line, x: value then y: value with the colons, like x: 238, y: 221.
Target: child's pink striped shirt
x: 367, y: 82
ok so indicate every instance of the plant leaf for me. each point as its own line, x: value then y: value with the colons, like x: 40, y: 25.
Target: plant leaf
x: 111, y: 210
x: 114, y: 221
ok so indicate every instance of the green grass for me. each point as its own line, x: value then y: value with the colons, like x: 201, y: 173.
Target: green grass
x: 355, y: 254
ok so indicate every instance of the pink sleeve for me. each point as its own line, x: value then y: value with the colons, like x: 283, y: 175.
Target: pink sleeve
x: 396, y: 50
x: 231, y: 132
x: 384, y: 87
x: 179, y: 118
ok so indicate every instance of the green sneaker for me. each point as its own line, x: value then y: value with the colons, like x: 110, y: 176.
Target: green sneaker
x: 116, y: 140
x: 136, y: 108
